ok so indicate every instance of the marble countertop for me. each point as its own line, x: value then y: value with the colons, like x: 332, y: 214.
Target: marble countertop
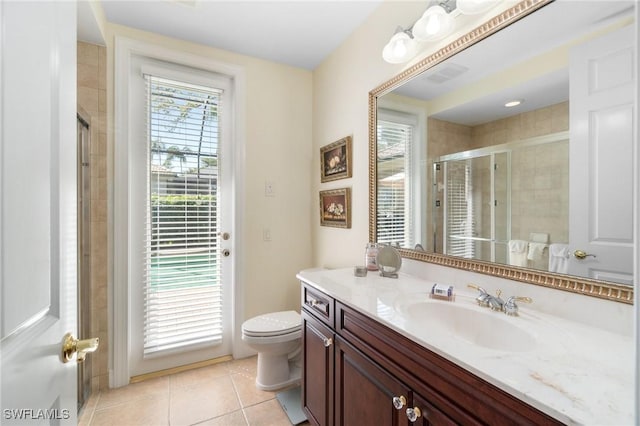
x: 575, y: 373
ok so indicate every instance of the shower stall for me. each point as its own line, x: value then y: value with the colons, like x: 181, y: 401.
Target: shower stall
x: 473, y: 205
x: 84, y: 250
x: 485, y: 197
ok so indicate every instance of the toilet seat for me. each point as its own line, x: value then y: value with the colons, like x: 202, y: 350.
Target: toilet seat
x: 273, y: 324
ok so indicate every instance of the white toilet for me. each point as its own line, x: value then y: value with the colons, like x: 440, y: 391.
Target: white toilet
x: 277, y: 337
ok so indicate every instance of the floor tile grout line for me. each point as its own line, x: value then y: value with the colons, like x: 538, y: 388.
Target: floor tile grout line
x: 235, y: 388
x: 93, y: 410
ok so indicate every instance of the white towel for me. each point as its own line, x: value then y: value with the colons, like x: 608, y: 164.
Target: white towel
x: 535, y: 251
x: 518, y: 253
x: 559, y: 258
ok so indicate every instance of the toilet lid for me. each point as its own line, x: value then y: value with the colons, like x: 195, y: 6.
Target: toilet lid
x: 275, y: 323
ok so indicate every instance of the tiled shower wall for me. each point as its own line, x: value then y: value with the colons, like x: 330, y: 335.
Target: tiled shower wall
x: 92, y: 98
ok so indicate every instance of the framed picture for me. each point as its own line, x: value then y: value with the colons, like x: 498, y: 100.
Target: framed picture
x: 335, y: 208
x: 335, y: 160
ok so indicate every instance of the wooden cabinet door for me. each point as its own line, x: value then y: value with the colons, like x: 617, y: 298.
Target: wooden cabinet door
x: 318, y: 371
x: 364, y: 391
x: 426, y: 414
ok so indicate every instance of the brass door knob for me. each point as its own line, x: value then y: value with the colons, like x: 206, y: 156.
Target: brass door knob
x: 71, y: 345
x: 581, y: 254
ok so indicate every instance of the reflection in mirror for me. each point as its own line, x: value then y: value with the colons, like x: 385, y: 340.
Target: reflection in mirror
x: 518, y: 149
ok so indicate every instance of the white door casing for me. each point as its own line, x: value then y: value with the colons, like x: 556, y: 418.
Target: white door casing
x: 38, y: 207
x: 602, y: 122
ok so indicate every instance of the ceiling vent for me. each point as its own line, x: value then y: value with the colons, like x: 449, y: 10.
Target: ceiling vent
x: 448, y: 72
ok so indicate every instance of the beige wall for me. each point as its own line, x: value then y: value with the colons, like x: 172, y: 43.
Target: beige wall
x: 277, y: 149
x: 92, y: 98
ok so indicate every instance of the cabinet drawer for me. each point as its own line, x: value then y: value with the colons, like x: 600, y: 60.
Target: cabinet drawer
x: 319, y: 304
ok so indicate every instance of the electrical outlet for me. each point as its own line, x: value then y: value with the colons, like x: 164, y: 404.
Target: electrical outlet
x: 266, y: 234
x: 269, y: 189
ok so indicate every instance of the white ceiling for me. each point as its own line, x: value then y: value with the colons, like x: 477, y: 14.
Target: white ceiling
x: 300, y: 33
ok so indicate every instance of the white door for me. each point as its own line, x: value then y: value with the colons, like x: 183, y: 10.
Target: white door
x: 603, y: 83
x: 180, y: 229
x: 38, y: 207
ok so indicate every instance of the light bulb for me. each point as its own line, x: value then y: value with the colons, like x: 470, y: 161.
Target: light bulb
x: 400, y: 48
x: 435, y: 24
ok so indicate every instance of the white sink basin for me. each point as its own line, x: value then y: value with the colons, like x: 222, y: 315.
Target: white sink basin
x: 479, y: 326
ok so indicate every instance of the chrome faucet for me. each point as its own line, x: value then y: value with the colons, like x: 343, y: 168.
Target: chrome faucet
x: 511, y: 308
x: 495, y: 303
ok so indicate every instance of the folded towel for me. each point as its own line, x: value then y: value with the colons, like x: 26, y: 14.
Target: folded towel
x: 535, y: 251
x: 518, y: 253
x: 559, y: 258
x: 517, y: 246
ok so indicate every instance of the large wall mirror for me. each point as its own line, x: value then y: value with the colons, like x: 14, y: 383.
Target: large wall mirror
x: 510, y: 151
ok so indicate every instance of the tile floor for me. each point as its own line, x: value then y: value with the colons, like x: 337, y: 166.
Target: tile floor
x: 219, y: 395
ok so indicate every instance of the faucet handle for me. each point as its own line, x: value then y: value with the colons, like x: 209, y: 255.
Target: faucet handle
x: 477, y: 287
x: 483, y: 297
x: 510, y: 306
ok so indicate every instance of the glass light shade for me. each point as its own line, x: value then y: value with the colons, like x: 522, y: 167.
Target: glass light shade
x: 435, y: 24
x: 400, y: 48
x: 473, y: 7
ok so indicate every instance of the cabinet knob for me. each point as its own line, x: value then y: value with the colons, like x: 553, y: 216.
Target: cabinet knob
x: 413, y: 414
x: 328, y: 341
x: 315, y: 303
x: 399, y: 402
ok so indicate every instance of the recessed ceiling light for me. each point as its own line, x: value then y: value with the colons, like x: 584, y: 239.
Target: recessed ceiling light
x: 513, y: 103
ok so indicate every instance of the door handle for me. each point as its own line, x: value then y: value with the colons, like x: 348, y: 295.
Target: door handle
x: 71, y: 345
x: 580, y: 254
x: 226, y: 252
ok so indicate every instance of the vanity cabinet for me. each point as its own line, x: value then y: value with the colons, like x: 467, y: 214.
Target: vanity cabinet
x: 368, y: 395
x: 317, y: 375
x: 359, y: 371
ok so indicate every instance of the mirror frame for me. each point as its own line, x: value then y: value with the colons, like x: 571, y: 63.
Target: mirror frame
x: 574, y: 284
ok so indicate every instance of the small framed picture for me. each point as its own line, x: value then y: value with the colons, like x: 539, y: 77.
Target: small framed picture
x: 335, y: 160
x: 335, y: 208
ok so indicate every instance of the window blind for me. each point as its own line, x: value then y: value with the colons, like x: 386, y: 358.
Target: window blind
x: 182, y: 289
x: 394, y: 171
x: 460, y: 209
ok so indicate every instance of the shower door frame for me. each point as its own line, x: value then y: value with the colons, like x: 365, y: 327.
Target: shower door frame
x: 84, y: 248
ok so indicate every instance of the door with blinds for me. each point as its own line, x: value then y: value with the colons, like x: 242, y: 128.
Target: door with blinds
x: 181, y: 311
x: 395, y: 168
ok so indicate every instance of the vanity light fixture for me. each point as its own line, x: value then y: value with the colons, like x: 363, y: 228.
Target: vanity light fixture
x: 513, y: 103
x: 436, y: 23
x: 400, y: 48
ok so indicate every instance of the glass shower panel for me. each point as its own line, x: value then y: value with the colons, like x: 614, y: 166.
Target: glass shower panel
x: 467, y: 201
